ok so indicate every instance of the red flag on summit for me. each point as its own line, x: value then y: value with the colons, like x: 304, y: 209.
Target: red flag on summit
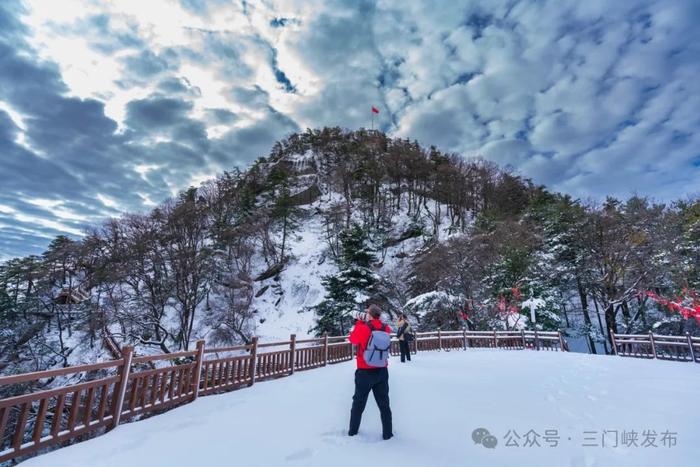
x: 375, y: 110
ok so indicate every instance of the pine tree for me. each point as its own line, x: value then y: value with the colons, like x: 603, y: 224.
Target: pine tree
x: 352, y: 285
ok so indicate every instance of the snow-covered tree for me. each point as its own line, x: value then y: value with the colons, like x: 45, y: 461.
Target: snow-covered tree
x: 351, y: 287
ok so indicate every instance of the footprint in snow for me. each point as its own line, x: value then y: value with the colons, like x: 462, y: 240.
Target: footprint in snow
x: 340, y: 437
x: 300, y: 455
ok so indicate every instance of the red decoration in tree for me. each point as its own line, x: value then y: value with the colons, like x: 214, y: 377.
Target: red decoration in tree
x: 516, y: 293
x: 686, y: 311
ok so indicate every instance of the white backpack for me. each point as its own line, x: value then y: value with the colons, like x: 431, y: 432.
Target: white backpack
x: 377, y: 351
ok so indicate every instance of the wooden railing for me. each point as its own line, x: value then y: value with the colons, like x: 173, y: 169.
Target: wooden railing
x: 97, y: 397
x: 679, y: 348
x: 511, y: 340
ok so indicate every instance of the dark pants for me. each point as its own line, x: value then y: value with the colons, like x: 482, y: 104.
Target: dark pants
x: 404, y: 346
x: 376, y: 381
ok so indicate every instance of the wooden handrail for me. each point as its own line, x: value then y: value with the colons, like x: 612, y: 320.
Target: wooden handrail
x: 36, y: 375
x: 273, y: 344
x: 166, y: 356
x: 234, y: 348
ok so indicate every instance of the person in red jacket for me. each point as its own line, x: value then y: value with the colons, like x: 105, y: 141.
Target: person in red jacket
x: 369, y: 378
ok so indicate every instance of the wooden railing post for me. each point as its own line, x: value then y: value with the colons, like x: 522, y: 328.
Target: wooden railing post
x: 537, y: 341
x: 614, y: 342
x: 253, y: 360
x: 199, y: 358
x: 653, y: 344
x: 325, y: 348
x: 495, y: 339
x: 439, y: 339
x: 690, y: 346
x: 561, y: 341
x: 522, y: 334
x: 292, y: 352
x: 464, y: 338
x: 124, y: 372
x: 415, y: 342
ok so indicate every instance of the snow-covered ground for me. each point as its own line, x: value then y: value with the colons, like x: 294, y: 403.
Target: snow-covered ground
x: 438, y: 401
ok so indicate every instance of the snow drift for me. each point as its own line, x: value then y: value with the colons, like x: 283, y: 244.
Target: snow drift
x: 542, y: 408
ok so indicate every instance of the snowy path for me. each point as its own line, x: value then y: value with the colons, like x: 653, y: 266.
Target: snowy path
x: 437, y: 400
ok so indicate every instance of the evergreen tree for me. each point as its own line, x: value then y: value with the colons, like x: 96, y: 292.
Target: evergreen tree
x: 352, y: 285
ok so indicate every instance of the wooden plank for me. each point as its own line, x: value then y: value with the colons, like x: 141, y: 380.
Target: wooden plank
x: 182, y: 383
x: 228, y: 367
x: 235, y: 372
x: 58, y: 415
x: 144, y: 390
x: 178, y: 382
x: 39, y: 423
x: 207, y: 367
x: 173, y: 378
x: 75, y: 406
x: 134, y: 392
x: 157, y: 379
x: 164, y: 385
x: 4, y: 415
x: 199, y: 359
x: 253, y: 360
x: 188, y: 380
x: 225, y: 375
x: 104, y: 394
x: 18, y: 437
x: 88, y: 406
x: 216, y: 373
x: 120, y: 388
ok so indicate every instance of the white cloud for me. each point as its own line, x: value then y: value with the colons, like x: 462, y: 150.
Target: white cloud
x: 591, y: 97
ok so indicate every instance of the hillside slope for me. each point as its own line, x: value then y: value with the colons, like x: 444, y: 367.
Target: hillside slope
x: 333, y: 219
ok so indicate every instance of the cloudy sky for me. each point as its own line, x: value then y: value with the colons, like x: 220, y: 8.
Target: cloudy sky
x: 113, y: 106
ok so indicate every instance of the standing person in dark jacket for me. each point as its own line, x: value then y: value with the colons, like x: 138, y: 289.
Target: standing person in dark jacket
x: 403, y: 334
x: 368, y: 378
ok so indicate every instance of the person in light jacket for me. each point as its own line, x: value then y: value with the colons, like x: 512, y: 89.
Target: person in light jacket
x: 404, y: 334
